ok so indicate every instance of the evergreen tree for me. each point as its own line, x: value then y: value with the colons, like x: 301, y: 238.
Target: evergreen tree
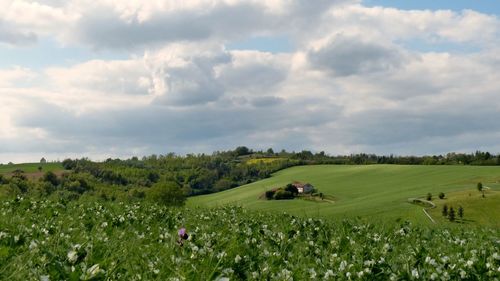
x: 480, y: 188
x: 445, y: 210
x: 461, y: 212
x: 451, y: 214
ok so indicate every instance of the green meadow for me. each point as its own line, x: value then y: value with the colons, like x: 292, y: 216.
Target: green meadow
x: 30, y: 167
x: 374, y: 192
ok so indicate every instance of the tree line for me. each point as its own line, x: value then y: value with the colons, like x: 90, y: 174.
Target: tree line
x: 177, y: 176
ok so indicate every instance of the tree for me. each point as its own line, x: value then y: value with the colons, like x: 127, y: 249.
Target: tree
x: 242, y: 150
x: 51, y: 178
x: 445, y: 210
x: 283, y: 194
x: 270, y: 194
x: 3, y: 180
x: 168, y: 193
x: 69, y: 164
x: 40, y: 168
x: 270, y: 151
x: 429, y: 196
x: 451, y: 214
x: 480, y: 188
x: 460, y: 212
x: 441, y: 195
x: 292, y: 189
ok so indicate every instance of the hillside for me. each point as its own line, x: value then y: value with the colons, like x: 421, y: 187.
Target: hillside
x: 373, y: 191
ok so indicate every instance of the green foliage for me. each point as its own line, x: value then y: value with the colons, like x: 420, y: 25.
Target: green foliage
x: 451, y: 214
x: 282, y: 194
x: 292, y: 189
x: 51, y: 178
x: 270, y: 194
x: 441, y: 195
x: 479, y: 186
x: 167, y: 193
x: 3, y: 179
x: 444, y: 212
x: 138, y: 241
x: 429, y: 197
x: 460, y: 212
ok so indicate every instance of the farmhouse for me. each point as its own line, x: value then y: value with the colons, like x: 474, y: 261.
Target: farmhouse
x: 303, y: 187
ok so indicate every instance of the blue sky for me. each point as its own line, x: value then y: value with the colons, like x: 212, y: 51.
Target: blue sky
x: 483, y: 6
x: 118, y: 79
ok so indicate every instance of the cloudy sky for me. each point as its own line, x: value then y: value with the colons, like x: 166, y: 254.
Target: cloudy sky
x: 117, y: 78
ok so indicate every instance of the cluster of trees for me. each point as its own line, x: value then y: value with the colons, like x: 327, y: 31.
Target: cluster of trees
x: 198, y: 174
x: 290, y: 191
x: 450, y: 214
x: 160, y: 176
x: 429, y: 196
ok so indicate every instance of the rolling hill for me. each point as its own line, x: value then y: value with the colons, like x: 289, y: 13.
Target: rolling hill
x: 372, y: 191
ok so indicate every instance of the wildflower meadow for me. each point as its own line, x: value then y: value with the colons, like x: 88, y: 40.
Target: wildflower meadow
x: 78, y: 240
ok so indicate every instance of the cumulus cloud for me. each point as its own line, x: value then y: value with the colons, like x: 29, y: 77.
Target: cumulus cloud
x: 345, y: 56
x: 355, y: 82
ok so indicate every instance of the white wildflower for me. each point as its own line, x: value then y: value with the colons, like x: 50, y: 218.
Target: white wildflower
x: 415, y: 274
x: 328, y: 274
x: 72, y: 256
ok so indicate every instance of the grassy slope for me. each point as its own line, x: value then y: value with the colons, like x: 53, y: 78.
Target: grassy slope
x: 30, y: 167
x: 367, y: 191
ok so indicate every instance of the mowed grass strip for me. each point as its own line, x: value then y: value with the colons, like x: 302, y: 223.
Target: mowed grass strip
x: 369, y: 191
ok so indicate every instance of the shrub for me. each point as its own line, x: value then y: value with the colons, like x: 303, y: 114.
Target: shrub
x: 292, y: 188
x: 168, y: 193
x: 451, y: 214
x: 460, y: 212
x: 445, y: 210
x: 429, y: 196
x: 270, y: 194
x: 283, y: 194
x: 441, y: 195
x: 51, y: 178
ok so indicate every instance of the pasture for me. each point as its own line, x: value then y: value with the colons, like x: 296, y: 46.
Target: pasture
x: 372, y: 192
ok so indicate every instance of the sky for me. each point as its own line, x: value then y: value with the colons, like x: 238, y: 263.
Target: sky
x: 129, y: 78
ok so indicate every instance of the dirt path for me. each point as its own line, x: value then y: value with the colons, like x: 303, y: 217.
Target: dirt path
x: 432, y: 206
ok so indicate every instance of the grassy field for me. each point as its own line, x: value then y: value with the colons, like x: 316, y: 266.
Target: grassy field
x: 97, y: 240
x: 375, y: 191
x: 264, y: 160
x: 30, y: 167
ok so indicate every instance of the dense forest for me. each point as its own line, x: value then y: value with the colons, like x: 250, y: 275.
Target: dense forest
x: 170, y: 178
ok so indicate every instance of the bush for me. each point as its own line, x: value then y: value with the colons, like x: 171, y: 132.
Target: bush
x: 429, y: 196
x: 168, y: 193
x: 283, y: 194
x: 292, y: 188
x: 51, y: 178
x: 270, y: 194
x: 441, y: 195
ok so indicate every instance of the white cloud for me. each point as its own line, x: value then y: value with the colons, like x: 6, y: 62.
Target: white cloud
x: 356, y: 82
x: 14, y: 77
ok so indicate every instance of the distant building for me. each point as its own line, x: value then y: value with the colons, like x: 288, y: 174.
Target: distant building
x: 303, y: 187
x: 43, y: 161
